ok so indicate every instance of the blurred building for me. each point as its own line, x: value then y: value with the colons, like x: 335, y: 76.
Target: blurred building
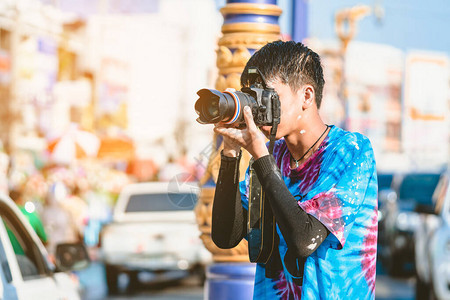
x: 113, y: 67
x: 396, y: 77
x: 149, y: 68
x: 148, y: 59
x: 40, y: 75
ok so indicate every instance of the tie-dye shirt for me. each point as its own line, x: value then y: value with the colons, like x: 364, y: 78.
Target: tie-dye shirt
x: 338, y: 186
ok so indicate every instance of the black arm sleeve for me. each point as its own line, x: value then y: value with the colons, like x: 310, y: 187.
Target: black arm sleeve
x: 303, y: 233
x: 229, y: 218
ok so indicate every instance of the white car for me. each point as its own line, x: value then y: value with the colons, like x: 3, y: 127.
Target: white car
x: 25, y: 272
x: 432, y: 246
x: 154, y: 229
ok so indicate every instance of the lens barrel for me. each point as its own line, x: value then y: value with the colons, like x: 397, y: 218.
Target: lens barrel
x: 214, y: 106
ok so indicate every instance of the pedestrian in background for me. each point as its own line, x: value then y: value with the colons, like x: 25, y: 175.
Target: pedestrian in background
x: 321, y: 183
x: 171, y: 170
x: 77, y: 208
x: 58, y: 222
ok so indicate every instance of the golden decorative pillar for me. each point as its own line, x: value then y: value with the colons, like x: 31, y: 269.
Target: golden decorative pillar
x: 248, y: 25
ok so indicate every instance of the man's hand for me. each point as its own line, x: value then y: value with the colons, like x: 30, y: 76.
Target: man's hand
x: 249, y: 138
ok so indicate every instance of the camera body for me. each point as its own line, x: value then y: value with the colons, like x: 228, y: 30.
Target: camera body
x: 227, y: 107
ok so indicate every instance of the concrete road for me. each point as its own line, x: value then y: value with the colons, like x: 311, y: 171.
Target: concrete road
x: 181, y: 287
x: 388, y: 288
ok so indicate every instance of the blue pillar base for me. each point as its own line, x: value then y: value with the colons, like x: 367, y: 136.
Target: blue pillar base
x: 226, y: 281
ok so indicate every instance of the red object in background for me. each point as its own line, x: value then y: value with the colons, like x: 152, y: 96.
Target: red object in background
x: 72, y: 145
x: 79, y: 152
x: 142, y: 169
x: 5, y: 62
x: 116, y: 148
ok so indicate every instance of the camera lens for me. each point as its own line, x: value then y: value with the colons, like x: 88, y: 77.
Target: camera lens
x: 213, y: 109
x: 208, y: 106
x: 214, y: 106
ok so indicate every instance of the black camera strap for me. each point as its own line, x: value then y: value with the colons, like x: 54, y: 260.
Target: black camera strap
x: 261, y: 221
x: 276, y: 112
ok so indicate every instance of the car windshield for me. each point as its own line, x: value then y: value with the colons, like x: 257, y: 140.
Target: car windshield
x: 161, y: 202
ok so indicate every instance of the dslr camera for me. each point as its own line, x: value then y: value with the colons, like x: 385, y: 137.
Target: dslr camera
x: 227, y: 107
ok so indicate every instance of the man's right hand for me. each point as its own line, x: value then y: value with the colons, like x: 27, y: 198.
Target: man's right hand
x: 250, y: 137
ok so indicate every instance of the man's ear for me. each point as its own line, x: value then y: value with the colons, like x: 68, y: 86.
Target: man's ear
x: 309, y: 95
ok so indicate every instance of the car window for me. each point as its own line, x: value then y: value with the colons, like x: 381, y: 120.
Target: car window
x: 384, y: 181
x: 161, y: 202
x: 419, y: 187
x: 28, y: 256
x: 3, y: 258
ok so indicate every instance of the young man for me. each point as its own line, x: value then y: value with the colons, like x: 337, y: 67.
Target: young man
x: 321, y: 183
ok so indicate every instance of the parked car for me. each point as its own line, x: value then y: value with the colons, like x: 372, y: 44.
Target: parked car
x: 411, y: 192
x: 432, y: 246
x: 154, y: 229
x: 385, y: 194
x: 26, y: 272
x: 385, y: 181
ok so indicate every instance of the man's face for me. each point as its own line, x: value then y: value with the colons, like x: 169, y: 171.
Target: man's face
x: 291, y: 109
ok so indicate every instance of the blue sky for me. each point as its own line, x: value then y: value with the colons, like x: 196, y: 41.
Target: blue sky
x: 406, y: 24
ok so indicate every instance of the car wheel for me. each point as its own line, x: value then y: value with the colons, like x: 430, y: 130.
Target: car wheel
x: 112, y: 275
x: 423, y: 289
x: 199, y: 272
x: 133, y: 283
x: 395, y: 265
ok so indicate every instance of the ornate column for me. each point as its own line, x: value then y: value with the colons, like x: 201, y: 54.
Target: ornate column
x: 248, y: 25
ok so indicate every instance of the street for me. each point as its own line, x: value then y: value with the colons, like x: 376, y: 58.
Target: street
x: 168, y: 287
x: 179, y: 286
x: 388, y: 288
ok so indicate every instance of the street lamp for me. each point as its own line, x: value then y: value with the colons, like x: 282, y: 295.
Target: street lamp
x: 346, y: 21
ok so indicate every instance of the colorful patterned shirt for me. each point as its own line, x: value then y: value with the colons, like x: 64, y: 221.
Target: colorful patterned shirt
x: 338, y: 186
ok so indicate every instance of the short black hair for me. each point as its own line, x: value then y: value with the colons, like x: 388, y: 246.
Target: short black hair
x: 290, y: 62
